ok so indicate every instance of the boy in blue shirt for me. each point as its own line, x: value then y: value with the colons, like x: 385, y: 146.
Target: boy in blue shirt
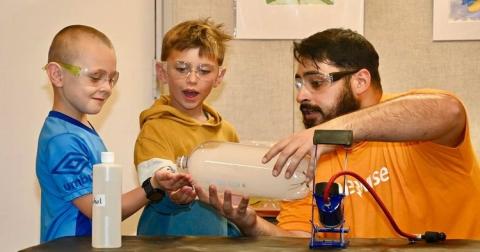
x: 82, y: 69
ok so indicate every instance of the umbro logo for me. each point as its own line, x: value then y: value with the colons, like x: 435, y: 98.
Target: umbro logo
x: 72, y: 163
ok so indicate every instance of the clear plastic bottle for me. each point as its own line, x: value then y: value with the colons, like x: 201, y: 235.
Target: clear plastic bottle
x: 238, y: 168
x: 107, y: 203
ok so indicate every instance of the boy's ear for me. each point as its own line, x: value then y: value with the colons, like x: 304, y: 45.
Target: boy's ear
x: 220, y: 77
x: 161, y: 73
x: 361, y: 81
x: 55, y: 74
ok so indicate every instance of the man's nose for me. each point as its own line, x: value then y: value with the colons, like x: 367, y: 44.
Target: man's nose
x: 303, y: 94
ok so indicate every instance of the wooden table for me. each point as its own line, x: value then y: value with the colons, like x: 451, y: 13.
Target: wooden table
x: 134, y: 243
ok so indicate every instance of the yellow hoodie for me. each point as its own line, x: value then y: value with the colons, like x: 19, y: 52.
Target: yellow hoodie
x: 167, y: 133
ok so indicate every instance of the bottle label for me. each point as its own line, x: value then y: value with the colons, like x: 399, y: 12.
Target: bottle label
x: 99, y: 200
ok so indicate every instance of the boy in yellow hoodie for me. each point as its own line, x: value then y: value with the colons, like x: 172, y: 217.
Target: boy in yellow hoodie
x: 192, y: 57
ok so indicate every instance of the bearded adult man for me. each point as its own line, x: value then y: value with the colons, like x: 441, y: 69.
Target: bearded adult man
x: 413, y: 148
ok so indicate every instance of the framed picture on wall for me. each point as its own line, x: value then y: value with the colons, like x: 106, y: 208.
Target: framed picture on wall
x: 456, y: 20
x: 295, y: 19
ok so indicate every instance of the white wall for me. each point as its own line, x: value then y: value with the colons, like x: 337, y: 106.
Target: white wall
x: 26, y: 30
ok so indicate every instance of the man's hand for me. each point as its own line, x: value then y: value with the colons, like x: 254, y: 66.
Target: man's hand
x: 243, y: 216
x: 292, y: 150
x: 401, y: 119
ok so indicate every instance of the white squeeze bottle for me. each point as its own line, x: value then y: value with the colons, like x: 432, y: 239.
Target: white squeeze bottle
x: 238, y: 168
x: 107, y: 203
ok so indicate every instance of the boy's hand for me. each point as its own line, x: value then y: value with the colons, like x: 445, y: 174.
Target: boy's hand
x: 243, y: 216
x: 169, y: 182
x: 184, y: 195
x: 178, y: 186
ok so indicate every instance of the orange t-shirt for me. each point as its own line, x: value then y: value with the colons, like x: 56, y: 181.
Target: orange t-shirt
x: 425, y: 186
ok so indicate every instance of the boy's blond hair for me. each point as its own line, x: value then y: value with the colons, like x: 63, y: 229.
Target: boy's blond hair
x: 201, y: 33
x: 64, y: 45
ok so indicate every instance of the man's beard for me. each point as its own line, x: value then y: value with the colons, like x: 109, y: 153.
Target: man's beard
x: 345, y: 104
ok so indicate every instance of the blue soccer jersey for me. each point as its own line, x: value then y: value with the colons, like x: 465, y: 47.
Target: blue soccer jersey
x: 67, y: 150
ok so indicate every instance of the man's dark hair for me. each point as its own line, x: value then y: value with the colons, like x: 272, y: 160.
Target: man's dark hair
x: 342, y: 48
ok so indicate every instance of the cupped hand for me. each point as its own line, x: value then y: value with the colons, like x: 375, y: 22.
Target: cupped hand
x: 241, y: 215
x: 169, y: 182
x: 184, y: 195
